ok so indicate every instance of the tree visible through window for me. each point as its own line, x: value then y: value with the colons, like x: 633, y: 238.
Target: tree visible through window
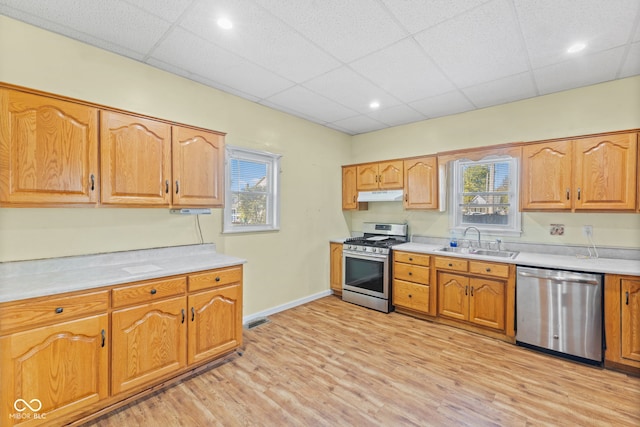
x: 485, y: 194
x: 252, y: 191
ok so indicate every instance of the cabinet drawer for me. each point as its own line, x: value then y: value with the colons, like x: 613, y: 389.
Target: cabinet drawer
x: 411, y: 295
x: 411, y: 273
x: 214, y: 278
x: 489, y: 269
x: 411, y: 258
x: 451, y: 264
x: 148, y: 291
x: 49, y: 310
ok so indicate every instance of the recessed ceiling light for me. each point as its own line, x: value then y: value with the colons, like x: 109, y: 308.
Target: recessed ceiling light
x: 225, y: 23
x: 576, y: 47
x: 374, y: 105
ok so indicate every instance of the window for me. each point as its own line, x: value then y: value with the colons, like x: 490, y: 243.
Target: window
x: 252, y: 197
x: 485, y: 195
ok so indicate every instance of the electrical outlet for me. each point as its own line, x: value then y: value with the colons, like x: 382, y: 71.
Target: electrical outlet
x: 556, y: 229
x: 587, y: 230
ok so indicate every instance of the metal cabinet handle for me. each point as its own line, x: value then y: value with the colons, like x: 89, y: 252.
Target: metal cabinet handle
x: 166, y: 186
x: 193, y: 314
x: 104, y: 337
x: 627, y: 294
x: 568, y: 194
x: 406, y: 197
x: 183, y: 313
x: 578, y: 193
x: 59, y: 310
x: 354, y: 199
x: 93, y: 182
x: 466, y: 290
x: 153, y: 291
x: 472, y: 291
x: 177, y: 186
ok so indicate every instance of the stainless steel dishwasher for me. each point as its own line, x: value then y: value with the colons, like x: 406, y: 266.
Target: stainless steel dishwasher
x: 560, y: 311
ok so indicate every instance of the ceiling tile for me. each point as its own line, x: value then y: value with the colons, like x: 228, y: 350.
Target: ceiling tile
x: 551, y: 26
x: 346, y: 29
x: 302, y: 100
x: 187, y: 51
x: 501, y: 91
x: 404, y: 70
x: 418, y: 15
x: 115, y: 22
x: 582, y: 71
x: 441, y: 105
x: 350, y: 89
x: 260, y: 37
x: 631, y: 65
x: 168, y: 10
x: 396, y: 116
x: 359, y: 124
x: 478, y: 46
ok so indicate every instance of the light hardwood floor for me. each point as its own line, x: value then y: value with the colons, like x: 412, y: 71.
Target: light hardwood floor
x: 330, y: 363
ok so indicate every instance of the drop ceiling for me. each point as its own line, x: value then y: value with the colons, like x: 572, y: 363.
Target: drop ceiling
x: 327, y: 60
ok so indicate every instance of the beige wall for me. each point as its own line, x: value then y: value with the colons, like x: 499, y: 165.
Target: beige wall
x: 599, y: 108
x: 282, y: 266
x: 292, y: 263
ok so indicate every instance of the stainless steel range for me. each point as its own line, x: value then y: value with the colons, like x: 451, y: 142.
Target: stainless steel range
x: 366, y: 265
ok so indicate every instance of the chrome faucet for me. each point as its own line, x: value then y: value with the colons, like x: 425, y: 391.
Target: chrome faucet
x: 475, y: 228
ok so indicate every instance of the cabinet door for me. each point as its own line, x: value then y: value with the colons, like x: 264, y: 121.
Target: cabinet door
x: 335, y: 267
x: 57, y: 369
x: 48, y: 150
x: 149, y: 342
x: 487, y: 302
x: 391, y: 175
x: 606, y: 172
x: 198, y: 167
x: 135, y: 158
x: 367, y: 177
x: 630, y: 312
x: 421, y: 183
x: 349, y: 191
x: 546, y: 176
x: 453, y: 299
x: 215, y: 322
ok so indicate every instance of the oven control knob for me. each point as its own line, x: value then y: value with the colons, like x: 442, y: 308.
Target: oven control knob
x: 374, y: 250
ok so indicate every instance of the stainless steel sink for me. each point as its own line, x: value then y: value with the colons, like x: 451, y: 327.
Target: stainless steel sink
x: 483, y: 252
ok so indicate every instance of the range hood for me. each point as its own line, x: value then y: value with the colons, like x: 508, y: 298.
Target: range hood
x: 380, y: 196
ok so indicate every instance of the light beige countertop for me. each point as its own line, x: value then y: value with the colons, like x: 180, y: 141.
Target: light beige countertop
x: 35, y: 278
x: 532, y: 259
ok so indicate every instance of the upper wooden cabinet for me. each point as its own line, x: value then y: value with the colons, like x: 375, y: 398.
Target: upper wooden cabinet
x: 48, y: 150
x: 421, y: 183
x: 598, y: 173
x: 349, y: 191
x: 198, y: 164
x: 135, y: 155
x: 380, y: 176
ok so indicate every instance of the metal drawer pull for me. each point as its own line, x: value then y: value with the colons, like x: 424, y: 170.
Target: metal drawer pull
x: 410, y: 274
x: 218, y: 279
x: 193, y: 314
x: 409, y: 295
x: 104, y: 337
x: 450, y: 265
x: 627, y: 293
x: 488, y: 270
x: 183, y: 313
x: 153, y: 291
x: 410, y: 259
x: 60, y: 309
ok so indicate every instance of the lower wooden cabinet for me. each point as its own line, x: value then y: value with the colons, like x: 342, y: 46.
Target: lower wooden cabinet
x: 411, y: 283
x: 215, y: 322
x: 66, y: 357
x: 148, y: 342
x: 54, y: 370
x: 335, y: 267
x: 622, y: 322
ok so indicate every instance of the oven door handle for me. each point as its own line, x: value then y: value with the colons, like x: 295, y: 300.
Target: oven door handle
x: 364, y: 255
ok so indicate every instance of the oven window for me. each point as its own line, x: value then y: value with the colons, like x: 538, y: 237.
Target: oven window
x: 364, y: 274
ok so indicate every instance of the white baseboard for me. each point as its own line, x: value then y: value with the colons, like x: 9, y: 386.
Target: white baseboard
x: 283, y: 307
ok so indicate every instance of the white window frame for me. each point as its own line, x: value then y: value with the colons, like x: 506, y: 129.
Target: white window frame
x: 273, y: 191
x: 514, y: 226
